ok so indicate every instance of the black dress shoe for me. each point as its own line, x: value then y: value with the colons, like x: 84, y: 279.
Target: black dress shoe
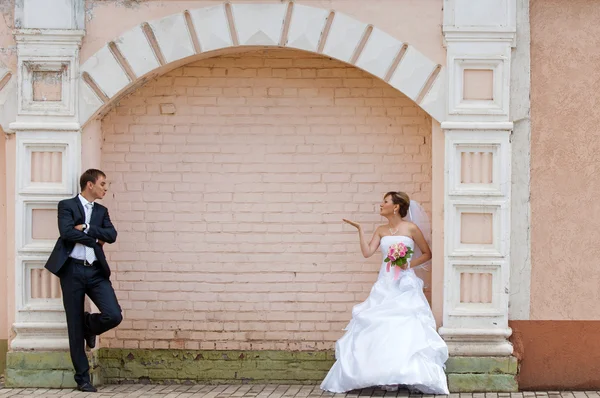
x: 90, y: 339
x: 87, y: 387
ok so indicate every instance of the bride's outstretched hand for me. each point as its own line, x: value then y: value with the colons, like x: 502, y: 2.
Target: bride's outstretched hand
x: 354, y: 224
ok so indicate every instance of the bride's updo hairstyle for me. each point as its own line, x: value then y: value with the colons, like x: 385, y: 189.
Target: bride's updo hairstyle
x: 401, y: 199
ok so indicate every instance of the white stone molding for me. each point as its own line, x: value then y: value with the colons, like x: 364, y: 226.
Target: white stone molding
x: 49, y: 14
x: 43, y: 309
x: 62, y: 68
x: 173, y: 37
x: 48, y: 152
x: 412, y: 73
x: 457, y: 105
x: 259, y: 24
x: 302, y: 33
x: 54, y: 52
x: 479, y: 36
x: 41, y: 335
x: 379, y: 53
x: 489, y: 144
x: 108, y: 74
x: 520, y: 275
x: 480, y: 16
x: 344, y: 36
x: 212, y: 28
x: 135, y: 48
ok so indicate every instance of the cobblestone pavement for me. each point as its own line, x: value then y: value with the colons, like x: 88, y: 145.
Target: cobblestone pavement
x: 260, y: 391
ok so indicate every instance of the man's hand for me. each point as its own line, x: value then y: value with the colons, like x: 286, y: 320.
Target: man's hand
x: 79, y: 227
x: 101, y: 243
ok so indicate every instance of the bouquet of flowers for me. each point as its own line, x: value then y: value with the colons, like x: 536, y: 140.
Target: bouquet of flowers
x: 398, y: 255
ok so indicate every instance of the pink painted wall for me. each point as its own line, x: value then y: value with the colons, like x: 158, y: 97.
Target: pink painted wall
x: 229, y: 202
x: 565, y: 209
x: 417, y: 22
x: 8, y: 50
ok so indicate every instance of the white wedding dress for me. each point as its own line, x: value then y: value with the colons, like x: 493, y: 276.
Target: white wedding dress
x: 391, y: 339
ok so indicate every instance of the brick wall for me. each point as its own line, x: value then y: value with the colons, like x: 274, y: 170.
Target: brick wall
x: 229, y: 179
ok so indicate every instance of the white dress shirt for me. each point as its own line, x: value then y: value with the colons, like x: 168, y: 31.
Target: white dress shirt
x: 79, y: 251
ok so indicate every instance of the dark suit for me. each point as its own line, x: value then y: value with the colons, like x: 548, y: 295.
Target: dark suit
x: 77, y: 279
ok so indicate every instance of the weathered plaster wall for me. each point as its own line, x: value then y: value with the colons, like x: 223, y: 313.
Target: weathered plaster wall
x: 558, y: 347
x: 8, y: 50
x: 564, y: 160
x: 417, y: 22
x: 557, y: 355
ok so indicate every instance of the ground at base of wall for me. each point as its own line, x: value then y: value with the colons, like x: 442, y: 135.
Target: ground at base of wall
x: 203, y: 367
x: 267, y: 391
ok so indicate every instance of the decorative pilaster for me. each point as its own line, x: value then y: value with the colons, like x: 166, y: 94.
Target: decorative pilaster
x: 48, y: 162
x: 479, y: 37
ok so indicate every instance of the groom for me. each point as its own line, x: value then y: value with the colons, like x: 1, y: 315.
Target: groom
x: 78, y: 260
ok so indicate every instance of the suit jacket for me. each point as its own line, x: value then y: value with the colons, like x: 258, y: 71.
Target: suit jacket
x: 70, y: 214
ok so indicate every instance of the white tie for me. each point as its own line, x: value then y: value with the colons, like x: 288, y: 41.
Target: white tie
x: 90, y: 256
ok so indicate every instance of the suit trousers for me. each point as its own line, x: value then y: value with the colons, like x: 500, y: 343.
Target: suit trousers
x: 77, y: 280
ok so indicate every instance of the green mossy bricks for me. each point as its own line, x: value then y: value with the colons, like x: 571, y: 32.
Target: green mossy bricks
x: 181, y: 366
x: 53, y: 369
x: 482, y: 374
x: 3, y: 351
x: 47, y: 369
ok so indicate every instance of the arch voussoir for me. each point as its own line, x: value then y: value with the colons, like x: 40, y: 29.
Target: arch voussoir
x: 158, y: 43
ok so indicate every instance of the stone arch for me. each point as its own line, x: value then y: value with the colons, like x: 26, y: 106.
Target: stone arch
x: 154, y: 47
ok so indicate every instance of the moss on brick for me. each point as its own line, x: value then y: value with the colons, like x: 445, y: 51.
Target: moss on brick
x: 482, y: 383
x: 3, y: 351
x: 40, y: 378
x: 46, y: 369
x: 491, y: 365
x: 53, y: 369
x: 39, y: 360
x: 166, y: 366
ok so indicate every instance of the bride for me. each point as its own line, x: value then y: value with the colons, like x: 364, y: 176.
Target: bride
x: 391, y: 340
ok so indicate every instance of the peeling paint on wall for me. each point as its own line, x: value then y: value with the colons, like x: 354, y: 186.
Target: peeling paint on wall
x: 8, y: 48
x: 91, y: 5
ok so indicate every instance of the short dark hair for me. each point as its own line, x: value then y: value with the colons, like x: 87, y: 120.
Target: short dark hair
x: 90, y: 175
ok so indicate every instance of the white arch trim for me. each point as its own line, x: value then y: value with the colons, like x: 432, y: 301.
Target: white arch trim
x: 122, y: 63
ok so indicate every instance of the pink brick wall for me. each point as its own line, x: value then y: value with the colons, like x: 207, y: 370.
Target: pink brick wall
x: 229, y: 180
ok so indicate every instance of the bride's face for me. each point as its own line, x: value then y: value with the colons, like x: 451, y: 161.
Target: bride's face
x: 386, y: 208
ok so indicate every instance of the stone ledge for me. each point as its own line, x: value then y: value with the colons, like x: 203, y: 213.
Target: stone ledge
x: 40, y: 378
x: 3, y: 351
x: 53, y: 369
x: 488, y: 365
x: 47, y: 369
x: 482, y: 383
x: 185, y: 366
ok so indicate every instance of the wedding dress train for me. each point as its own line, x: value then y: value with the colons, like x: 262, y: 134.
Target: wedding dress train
x: 391, y: 339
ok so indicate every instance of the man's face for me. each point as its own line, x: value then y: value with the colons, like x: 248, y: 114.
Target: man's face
x: 98, y: 190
